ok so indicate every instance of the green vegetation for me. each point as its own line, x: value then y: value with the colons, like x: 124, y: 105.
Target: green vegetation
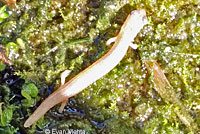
x: 2, y: 66
x: 43, y: 38
x: 29, y: 91
x: 6, y: 111
x: 6, y: 116
x: 3, y: 13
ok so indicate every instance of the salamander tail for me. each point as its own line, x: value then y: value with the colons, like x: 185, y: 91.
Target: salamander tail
x: 47, y: 104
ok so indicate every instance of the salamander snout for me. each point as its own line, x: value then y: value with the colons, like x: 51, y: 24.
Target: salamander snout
x: 140, y: 14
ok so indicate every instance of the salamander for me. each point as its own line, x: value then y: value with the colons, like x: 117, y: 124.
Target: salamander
x: 129, y: 30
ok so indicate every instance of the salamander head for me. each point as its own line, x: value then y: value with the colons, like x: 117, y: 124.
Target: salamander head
x: 134, y: 23
x: 140, y: 14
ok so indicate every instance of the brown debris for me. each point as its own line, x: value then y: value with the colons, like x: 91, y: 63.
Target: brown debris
x: 166, y: 91
x: 10, y: 3
x: 3, y: 56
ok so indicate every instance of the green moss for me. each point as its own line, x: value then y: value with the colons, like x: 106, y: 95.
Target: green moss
x: 21, y: 43
x: 8, y: 130
x: 7, y: 115
x: 30, y: 89
x: 12, y: 50
x: 2, y: 66
x: 3, y: 13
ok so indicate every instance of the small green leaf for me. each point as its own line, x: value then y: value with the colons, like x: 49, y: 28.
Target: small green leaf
x: 11, y: 49
x: 28, y: 102
x: 6, y: 116
x: 30, y: 89
x: 25, y: 94
x: 21, y: 43
x: 3, y: 13
x: 41, y: 123
x: 2, y: 66
x: 1, y: 20
x: 3, y: 9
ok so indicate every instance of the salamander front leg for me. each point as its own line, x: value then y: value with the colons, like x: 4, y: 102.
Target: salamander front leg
x: 111, y: 40
x: 134, y: 46
x: 63, y: 77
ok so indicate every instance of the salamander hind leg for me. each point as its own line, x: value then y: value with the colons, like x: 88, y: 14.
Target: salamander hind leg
x: 63, y: 77
x: 134, y: 46
x: 48, y: 103
x: 62, y: 106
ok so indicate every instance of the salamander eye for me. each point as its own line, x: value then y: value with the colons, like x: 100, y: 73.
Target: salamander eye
x: 144, y: 20
x: 136, y: 12
x: 133, y: 12
x: 140, y: 12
